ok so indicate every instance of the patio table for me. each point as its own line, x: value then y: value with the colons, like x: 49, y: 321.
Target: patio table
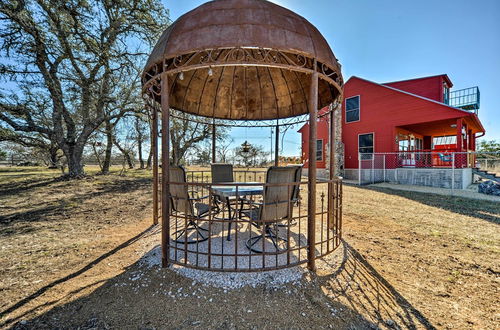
x: 237, y: 190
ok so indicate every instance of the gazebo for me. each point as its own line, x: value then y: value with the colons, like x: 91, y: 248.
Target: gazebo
x: 236, y: 63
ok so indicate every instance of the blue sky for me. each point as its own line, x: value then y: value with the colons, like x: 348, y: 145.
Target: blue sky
x: 388, y: 40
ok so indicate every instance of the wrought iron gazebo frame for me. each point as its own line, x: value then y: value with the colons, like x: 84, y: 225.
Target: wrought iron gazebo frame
x: 159, y: 80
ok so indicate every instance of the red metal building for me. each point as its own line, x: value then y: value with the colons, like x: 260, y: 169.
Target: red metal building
x: 417, y: 115
x: 321, y: 142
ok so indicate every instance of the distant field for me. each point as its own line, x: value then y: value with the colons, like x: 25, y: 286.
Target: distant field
x: 69, y: 252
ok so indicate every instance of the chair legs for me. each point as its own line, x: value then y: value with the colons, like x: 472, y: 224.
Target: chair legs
x: 232, y: 213
x: 192, y: 226
x: 269, y: 233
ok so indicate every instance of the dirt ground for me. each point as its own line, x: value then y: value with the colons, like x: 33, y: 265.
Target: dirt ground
x: 70, y: 256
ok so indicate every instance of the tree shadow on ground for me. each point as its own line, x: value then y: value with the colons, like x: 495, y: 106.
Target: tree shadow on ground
x: 15, y: 188
x: 121, y: 185
x: 481, y: 209
x: 66, y: 278
x: 34, y: 214
x: 24, y: 169
x: 369, y: 293
x: 151, y: 297
x: 66, y: 204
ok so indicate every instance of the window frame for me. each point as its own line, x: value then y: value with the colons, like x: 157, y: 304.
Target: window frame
x: 373, y: 146
x: 359, y: 109
x: 446, y: 93
x: 318, y: 149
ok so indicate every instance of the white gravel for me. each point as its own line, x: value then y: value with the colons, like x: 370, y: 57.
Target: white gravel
x: 233, y: 280
x: 226, y: 280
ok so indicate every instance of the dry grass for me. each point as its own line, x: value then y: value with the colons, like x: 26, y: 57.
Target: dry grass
x: 410, y: 260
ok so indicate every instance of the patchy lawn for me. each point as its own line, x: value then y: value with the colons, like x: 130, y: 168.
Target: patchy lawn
x: 70, y: 251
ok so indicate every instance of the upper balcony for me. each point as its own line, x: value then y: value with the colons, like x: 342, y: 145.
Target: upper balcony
x: 466, y: 99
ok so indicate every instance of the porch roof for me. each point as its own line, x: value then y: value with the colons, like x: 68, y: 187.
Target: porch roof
x: 440, y: 127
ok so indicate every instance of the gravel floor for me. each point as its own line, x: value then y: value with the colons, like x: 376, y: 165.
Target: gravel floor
x: 226, y: 280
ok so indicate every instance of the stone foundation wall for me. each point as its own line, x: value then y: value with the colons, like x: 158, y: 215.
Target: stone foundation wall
x: 431, y: 177
x: 321, y: 173
x: 338, y: 144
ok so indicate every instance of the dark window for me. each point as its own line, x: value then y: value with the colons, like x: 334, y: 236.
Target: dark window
x: 365, y: 142
x: 319, y: 149
x: 352, y: 109
x: 446, y: 92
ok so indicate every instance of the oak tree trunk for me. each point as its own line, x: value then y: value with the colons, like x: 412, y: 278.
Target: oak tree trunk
x: 150, y: 159
x: 109, y: 147
x: 74, y: 155
x: 139, y: 141
x: 125, y: 153
x: 53, y: 158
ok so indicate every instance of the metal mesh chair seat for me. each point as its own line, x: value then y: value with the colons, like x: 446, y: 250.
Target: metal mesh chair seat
x: 252, y: 214
x: 201, y: 209
x: 276, y: 206
x: 182, y: 202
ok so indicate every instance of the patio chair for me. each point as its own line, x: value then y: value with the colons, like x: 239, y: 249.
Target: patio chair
x: 277, y: 204
x: 222, y: 173
x: 298, y: 177
x: 190, y: 206
x: 296, y: 190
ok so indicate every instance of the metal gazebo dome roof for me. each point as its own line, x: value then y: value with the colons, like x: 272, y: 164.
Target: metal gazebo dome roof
x: 243, y: 60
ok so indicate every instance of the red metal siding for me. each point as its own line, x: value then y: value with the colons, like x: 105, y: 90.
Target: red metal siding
x: 430, y: 87
x: 322, y: 134
x: 381, y: 111
x: 385, y: 111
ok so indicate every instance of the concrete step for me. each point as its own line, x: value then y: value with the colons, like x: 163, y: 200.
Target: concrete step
x: 476, y: 170
x: 486, y: 175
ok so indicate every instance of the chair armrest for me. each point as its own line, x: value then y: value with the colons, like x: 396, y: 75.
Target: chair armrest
x: 257, y: 204
x: 193, y: 193
x: 198, y: 198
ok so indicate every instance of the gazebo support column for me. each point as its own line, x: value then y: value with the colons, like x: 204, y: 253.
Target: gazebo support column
x: 214, y: 140
x: 332, y: 143
x: 276, y: 147
x: 331, y: 168
x: 311, y: 220
x: 165, y: 160
x: 156, y: 181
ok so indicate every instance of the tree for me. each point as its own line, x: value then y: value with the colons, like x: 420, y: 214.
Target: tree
x: 38, y: 143
x: 252, y: 155
x: 97, y: 150
x: 223, y: 148
x: 73, y: 55
x: 141, y: 136
x: 202, y: 155
x: 187, y: 131
x: 123, y: 139
x: 20, y: 154
x: 489, y: 146
x: 3, y: 154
